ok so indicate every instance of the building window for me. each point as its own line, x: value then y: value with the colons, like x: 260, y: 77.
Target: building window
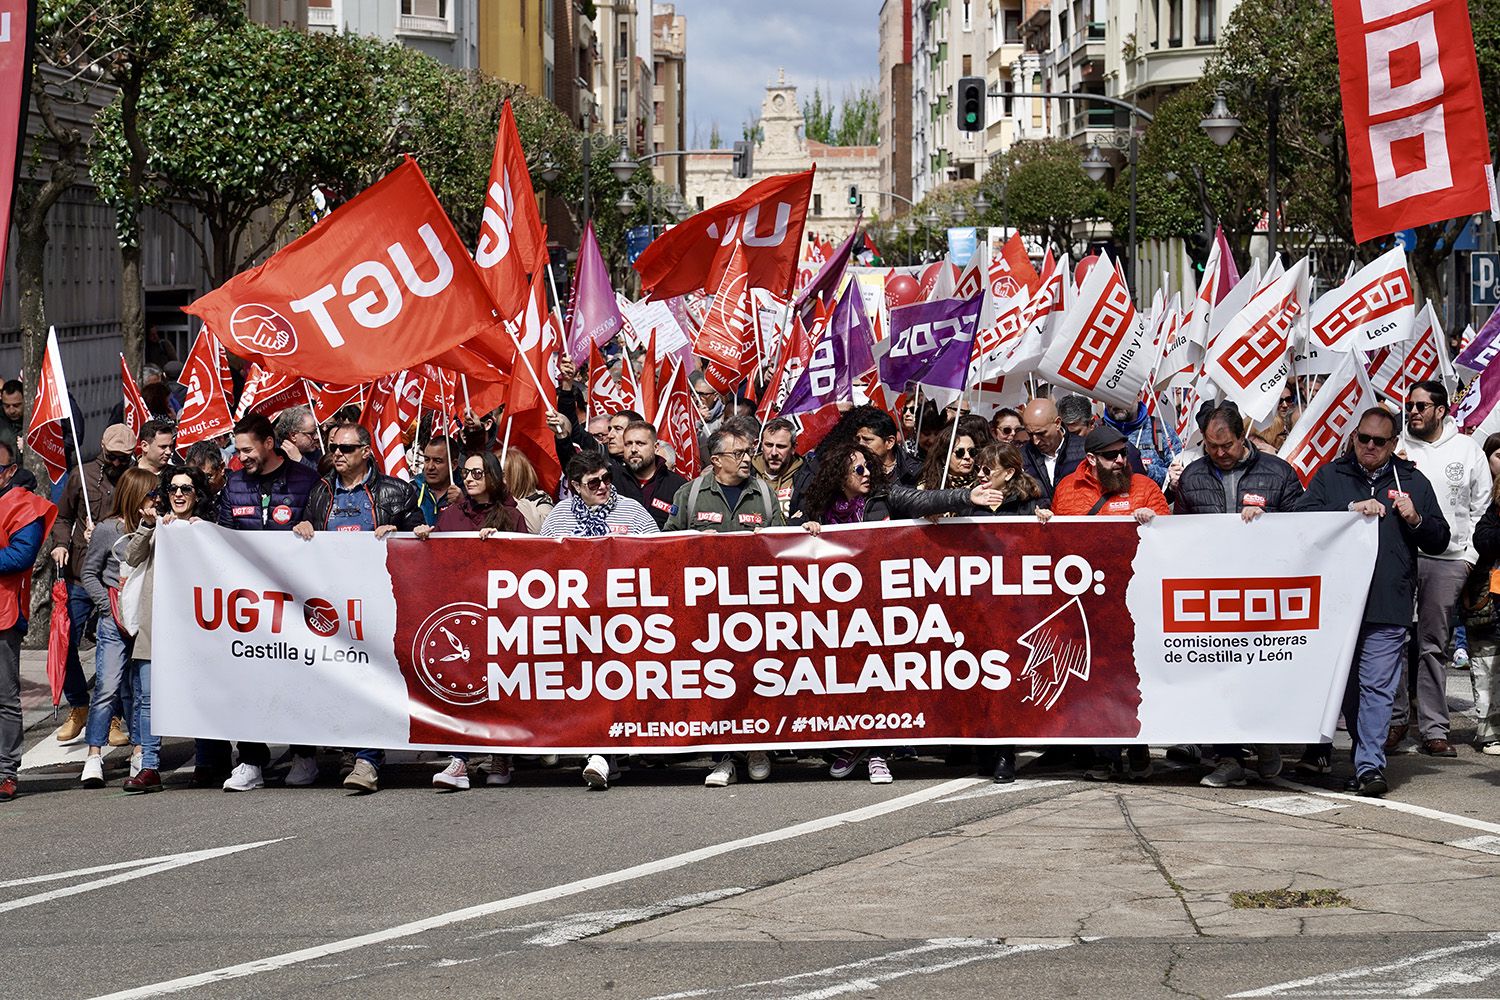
x: 1207, y: 26
x: 624, y: 48
x: 1174, y: 23
x: 424, y: 8
x: 968, y: 65
x: 699, y: 200
x: 1012, y: 34
x: 968, y: 6
x: 547, y: 82
x: 817, y: 204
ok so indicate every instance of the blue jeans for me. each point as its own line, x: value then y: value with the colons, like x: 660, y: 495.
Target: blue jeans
x: 139, y: 674
x: 1371, y: 691
x: 111, y: 653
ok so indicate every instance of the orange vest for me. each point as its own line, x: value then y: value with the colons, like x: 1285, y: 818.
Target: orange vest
x: 18, y: 508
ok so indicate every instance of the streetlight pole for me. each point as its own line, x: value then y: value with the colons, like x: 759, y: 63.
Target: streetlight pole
x: 1273, y: 113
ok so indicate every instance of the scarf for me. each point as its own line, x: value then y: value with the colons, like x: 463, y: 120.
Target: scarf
x: 846, y: 511
x: 593, y: 522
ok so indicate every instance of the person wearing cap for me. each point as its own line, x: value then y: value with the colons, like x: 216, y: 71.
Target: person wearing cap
x: 1104, y: 482
x: 69, y: 540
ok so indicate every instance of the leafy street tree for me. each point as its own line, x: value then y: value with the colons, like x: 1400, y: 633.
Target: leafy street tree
x: 1040, y: 187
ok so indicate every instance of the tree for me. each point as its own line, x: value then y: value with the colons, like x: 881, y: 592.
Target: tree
x: 1040, y: 186
x: 817, y: 117
x: 853, y: 122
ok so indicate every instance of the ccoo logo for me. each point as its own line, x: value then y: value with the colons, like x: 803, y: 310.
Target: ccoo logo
x: 259, y: 329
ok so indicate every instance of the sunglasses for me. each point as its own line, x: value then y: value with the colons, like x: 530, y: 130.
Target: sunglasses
x: 1285, y: 401
x: 1111, y: 456
x: 1416, y: 407
x: 1006, y: 432
x: 117, y: 458
x: 179, y: 488
x: 345, y: 449
x: 594, y: 482
x: 964, y: 452
x: 473, y: 473
x: 860, y: 470
x: 1375, y: 439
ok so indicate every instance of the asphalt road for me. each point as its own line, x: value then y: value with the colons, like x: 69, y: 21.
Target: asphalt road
x: 936, y: 886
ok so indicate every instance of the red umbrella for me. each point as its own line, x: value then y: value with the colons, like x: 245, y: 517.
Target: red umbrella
x: 57, y: 640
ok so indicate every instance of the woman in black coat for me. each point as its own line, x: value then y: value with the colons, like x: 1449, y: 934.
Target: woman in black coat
x: 850, y: 488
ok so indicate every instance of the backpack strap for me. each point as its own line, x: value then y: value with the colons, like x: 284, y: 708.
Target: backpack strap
x: 1097, y: 507
x: 771, y: 506
x: 692, y: 508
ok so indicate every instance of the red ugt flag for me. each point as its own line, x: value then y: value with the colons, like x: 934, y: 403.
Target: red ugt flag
x: 205, y: 414
x: 677, y: 424
x: 135, y: 403
x: 511, y: 240
x: 767, y: 220
x: 1419, y: 151
x: 44, y: 435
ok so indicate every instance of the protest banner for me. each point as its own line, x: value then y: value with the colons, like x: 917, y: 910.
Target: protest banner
x: 966, y: 631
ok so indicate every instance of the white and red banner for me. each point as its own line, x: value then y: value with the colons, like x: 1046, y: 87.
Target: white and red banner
x: 133, y: 404
x: 677, y: 421
x: 1419, y: 148
x: 394, y: 404
x: 1323, y: 429
x: 1100, y: 348
x: 205, y: 412
x: 1395, y: 369
x: 44, y: 434
x: 1251, y: 359
x: 15, y: 97
x: 269, y: 393
x: 1371, y: 309
x: 1080, y: 631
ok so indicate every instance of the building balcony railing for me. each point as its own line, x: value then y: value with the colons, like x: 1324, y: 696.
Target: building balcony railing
x: 320, y: 17
x: 419, y: 24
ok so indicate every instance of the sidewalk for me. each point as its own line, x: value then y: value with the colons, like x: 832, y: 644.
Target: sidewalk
x: 36, y: 693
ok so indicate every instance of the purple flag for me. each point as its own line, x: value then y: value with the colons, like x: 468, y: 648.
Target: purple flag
x: 593, y: 315
x: 1229, y: 274
x: 825, y: 283
x: 825, y: 379
x: 930, y: 343
x: 1486, y: 344
x: 859, y: 335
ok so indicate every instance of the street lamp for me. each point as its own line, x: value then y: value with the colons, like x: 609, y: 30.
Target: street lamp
x: 981, y: 203
x: 1220, y: 124
x: 929, y: 223
x: 1221, y: 127
x: 623, y: 166
x: 1095, y: 164
x: 547, y: 169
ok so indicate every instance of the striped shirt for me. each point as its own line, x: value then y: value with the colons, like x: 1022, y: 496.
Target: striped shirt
x: 627, y: 518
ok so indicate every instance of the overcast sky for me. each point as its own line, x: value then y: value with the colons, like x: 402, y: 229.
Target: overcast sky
x: 734, y: 48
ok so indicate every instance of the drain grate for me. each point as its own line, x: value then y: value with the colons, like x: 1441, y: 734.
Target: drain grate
x: 1287, y: 899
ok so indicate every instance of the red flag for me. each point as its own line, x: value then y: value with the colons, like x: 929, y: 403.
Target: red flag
x: 606, y: 396
x: 1013, y: 270
x: 205, y: 414
x: 789, y: 367
x: 269, y: 393
x: 44, y: 434
x: 1419, y: 148
x: 630, y: 385
x: 135, y: 404
x: 767, y: 219
x: 725, y: 339
x: 677, y: 422
x: 512, y: 242
x: 647, y: 393
x: 329, y: 398
x: 393, y: 405
x: 1395, y: 369
x: 383, y: 284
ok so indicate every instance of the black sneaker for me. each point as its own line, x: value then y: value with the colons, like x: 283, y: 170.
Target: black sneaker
x: 1005, y: 767
x: 1370, y: 783
x: 1313, y: 763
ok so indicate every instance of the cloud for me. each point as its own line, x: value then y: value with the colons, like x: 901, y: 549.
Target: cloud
x: 735, y: 48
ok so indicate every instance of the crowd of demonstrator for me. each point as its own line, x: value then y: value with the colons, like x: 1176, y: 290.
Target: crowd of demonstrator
x: 1431, y: 488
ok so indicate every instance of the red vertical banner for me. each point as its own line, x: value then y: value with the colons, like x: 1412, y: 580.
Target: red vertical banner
x: 1414, y: 121
x: 16, y: 22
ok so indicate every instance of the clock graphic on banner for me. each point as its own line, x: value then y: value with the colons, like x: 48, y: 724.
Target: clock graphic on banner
x: 448, y: 653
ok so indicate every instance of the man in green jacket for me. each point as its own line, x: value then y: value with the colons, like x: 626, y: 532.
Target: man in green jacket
x: 726, y: 497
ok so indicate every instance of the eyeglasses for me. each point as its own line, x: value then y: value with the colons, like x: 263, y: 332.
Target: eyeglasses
x: 707, y: 397
x: 738, y: 454
x: 964, y: 452
x: 473, y: 473
x: 1375, y: 439
x: 594, y: 482
x: 181, y: 488
x: 1112, y: 456
x: 860, y: 470
x: 345, y: 449
x: 1414, y: 406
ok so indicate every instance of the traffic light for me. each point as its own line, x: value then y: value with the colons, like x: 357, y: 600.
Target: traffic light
x: 971, y: 95
x: 744, y: 152
x: 1198, y: 246
x: 854, y: 194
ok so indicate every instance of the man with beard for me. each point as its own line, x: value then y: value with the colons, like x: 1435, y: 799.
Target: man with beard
x: 642, y: 475
x: 778, y: 463
x: 70, y: 540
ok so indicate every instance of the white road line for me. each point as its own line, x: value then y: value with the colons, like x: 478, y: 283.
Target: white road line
x: 632, y: 873
x: 154, y: 866
x: 1488, y: 845
x: 1415, y: 983
x: 1292, y: 805
x: 994, y: 789
x: 1404, y: 807
x: 577, y: 926
x: 862, y: 980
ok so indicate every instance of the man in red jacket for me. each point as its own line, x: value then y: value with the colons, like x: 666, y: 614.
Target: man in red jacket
x: 25, y: 519
x: 1105, y: 484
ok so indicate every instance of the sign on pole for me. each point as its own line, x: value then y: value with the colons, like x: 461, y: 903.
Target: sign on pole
x: 1484, y: 279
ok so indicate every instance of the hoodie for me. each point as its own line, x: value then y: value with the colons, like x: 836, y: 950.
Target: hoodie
x: 1460, y: 476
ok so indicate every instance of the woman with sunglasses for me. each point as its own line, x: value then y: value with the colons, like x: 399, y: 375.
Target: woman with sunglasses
x: 960, y: 466
x: 100, y: 575
x: 487, y: 507
x: 850, y: 488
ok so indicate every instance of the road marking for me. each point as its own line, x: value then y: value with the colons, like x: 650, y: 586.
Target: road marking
x: 1489, y: 845
x: 632, y: 873
x: 1445, y: 968
x: 144, y: 867
x: 994, y: 789
x: 857, y: 977
x: 577, y: 926
x: 1403, y: 807
x: 1292, y: 805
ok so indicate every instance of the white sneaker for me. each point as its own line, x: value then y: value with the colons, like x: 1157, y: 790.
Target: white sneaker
x: 1229, y: 772
x: 454, y: 776
x: 1491, y: 748
x: 1268, y: 761
x: 758, y: 763
x: 303, y: 772
x: 244, y: 778
x: 596, y: 772
x: 879, y: 773
x: 722, y: 774
x: 135, y: 763
x: 93, y: 771
x: 499, y: 773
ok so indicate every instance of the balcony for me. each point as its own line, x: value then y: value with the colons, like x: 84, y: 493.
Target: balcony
x: 420, y: 24
x: 1171, y: 67
x: 1090, y: 119
x: 320, y: 17
x: 585, y: 31
x: 1088, y: 43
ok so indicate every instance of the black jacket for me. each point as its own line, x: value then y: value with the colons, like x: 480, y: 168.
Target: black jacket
x: 1265, y: 481
x: 908, y: 470
x: 1487, y: 535
x: 1393, y: 588
x: 266, y: 503
x: 903, y: 502
x: 1014, y: 507
x: 657, y: 492
x: 1069, y: 456
x: 392, y: 501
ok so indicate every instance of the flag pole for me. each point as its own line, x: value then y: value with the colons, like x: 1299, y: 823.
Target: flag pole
x: 504, y: 443
x: 551, y: 410
x: 83, y: 487
x: 318, y: 427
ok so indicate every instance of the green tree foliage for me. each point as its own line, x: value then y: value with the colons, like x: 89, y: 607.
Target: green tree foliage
x: 1039, y: 187
x: 853, y: 122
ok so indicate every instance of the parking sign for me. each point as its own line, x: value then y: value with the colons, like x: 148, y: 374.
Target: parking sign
x: 1484, y: 279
